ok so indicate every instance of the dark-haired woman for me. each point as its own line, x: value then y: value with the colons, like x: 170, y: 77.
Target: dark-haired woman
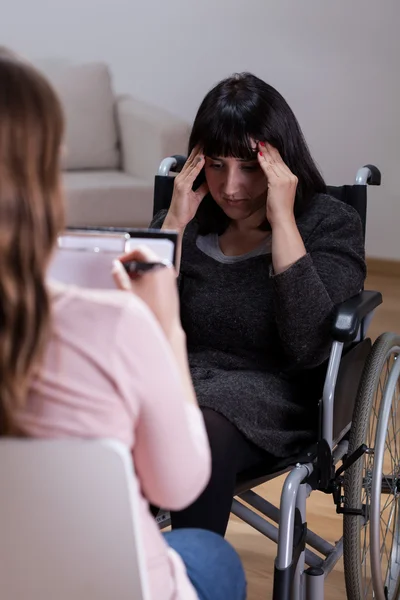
x: 266, y: 255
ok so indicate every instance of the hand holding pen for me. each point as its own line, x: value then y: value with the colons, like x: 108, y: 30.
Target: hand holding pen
x: 154, y: 281
x: 139, y: 267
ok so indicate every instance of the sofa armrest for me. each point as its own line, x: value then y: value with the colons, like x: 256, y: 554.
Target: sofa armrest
x: 147, y: 134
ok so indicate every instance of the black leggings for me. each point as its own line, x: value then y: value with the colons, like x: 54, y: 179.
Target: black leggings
x: 231, y: 453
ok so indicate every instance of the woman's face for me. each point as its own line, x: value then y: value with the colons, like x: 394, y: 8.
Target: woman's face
x: 238, y: 186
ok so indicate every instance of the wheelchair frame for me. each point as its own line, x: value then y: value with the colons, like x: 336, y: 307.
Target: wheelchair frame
x: 299, y: 572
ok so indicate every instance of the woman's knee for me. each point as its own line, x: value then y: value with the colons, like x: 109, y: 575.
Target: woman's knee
x: 209, y: 545
x: 218, y: 550
x: 212, y: 564
x: 222, y: 434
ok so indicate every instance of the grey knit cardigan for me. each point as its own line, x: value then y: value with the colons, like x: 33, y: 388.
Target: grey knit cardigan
x: 254, y: 337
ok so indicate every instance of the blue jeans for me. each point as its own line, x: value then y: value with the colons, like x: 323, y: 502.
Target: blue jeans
x: 212, y: 565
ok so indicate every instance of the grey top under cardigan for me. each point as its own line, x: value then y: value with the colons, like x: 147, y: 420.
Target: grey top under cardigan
x: 253, y: 335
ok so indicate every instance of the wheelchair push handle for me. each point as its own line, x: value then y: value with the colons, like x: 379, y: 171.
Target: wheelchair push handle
x: 171, y: 163
x: 368, y: 175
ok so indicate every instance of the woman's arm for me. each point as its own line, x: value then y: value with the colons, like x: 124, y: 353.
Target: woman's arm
x: 287, y: 245
x: 177, y: 342
x: 171, y: 452
x: 309, y: 282
x: 185, y: 201
x: 306, y: 293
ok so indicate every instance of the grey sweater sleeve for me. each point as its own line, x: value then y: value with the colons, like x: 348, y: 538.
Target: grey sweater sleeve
x: 305, y: 295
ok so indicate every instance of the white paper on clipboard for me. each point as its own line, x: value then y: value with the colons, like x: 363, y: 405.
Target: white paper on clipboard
x: 85, y: 258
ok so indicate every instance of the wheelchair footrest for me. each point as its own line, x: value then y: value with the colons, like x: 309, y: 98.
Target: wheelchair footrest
x: 357, y: 512
x: 337, y: 483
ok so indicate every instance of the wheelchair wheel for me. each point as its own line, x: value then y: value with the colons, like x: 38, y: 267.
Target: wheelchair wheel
x: 372, y: 484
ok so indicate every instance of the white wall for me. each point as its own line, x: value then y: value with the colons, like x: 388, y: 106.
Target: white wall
x: 336, y: 62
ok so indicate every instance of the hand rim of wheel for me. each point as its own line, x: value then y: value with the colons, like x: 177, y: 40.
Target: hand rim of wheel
x: 375, y: 516
x: 356, y: 551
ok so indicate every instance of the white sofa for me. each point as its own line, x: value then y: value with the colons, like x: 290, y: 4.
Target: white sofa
x: 113, y: 147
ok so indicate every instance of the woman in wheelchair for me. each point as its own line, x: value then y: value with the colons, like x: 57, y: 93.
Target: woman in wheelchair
x: 81, y: 363
x: 265, y: 255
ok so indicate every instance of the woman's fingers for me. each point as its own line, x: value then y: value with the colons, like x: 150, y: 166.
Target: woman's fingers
x: 202, y: 191
x: 185, y: 179
x: 272, y: 162
x: 121, y: 277
x: 268, y: 165
x: 142, y: 254
x: 196, y: 167
x: 192, y: 160
x: 281, y: 168
x: 273, y: 153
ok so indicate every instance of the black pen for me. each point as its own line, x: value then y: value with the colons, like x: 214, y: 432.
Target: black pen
x: 137, y: 267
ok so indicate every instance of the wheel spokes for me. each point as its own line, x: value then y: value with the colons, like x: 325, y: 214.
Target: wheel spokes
x: 390, y: 490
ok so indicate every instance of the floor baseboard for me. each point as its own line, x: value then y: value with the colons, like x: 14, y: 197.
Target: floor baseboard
x: 383, y: 266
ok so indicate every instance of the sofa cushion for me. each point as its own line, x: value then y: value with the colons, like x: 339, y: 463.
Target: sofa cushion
x: 87, y: 97
x: 107, y: 198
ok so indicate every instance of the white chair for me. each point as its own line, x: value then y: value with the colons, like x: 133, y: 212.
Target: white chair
x: 68, y: 522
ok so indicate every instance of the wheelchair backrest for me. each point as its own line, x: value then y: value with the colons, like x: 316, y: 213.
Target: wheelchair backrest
x: 353, y: 195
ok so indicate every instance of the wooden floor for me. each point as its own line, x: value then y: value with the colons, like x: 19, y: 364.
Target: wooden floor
x: 256, y: 551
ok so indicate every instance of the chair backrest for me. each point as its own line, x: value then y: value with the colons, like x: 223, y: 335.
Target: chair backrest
x: 68, y: 522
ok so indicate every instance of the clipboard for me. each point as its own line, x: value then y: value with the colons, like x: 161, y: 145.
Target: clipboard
x: 84, y: 256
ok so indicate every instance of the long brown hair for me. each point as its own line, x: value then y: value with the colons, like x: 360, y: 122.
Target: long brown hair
x: 31, y: 216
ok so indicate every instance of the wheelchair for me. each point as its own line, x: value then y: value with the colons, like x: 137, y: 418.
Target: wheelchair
x: 356, y: 456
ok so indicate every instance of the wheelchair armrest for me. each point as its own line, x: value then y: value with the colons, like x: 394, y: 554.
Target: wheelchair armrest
x: 350, y: 314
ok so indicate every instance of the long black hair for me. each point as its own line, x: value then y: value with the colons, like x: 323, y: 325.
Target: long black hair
x: 238, y: 110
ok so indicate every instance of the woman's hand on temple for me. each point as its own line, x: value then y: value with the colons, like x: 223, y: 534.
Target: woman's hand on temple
x: 185, y: 201
x: 158, y: 288
x: 287, y: 244
x: 282, y: 185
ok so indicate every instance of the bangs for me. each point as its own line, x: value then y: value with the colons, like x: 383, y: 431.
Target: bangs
x: 228, y: 138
